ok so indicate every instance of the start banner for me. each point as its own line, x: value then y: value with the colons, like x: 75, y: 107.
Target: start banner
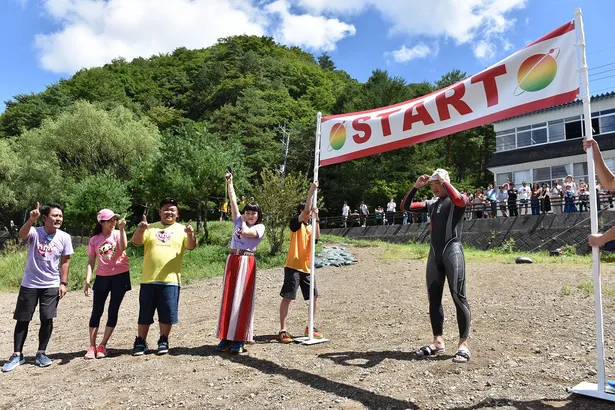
x: 542, y: 74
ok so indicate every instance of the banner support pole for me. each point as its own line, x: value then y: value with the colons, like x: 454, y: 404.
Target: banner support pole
x: 309, y: 340
x: 585, y: 388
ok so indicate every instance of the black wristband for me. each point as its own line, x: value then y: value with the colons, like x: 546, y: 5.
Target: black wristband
x: 64, y: 283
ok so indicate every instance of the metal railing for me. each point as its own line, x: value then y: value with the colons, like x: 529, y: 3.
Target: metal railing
x: 557, y: 205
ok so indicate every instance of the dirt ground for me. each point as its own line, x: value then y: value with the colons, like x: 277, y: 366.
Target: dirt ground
x: 532, y: 339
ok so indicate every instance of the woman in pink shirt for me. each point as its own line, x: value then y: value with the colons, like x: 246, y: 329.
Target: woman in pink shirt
x: 108, y: 246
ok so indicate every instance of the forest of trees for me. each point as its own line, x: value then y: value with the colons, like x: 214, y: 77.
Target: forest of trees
x: 126, y: 134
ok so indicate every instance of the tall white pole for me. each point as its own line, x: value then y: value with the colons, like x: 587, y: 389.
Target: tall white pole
x: 578, y: 15
x: 313, y: 237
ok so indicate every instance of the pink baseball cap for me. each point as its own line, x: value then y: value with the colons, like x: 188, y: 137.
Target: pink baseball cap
x: 106, y: 214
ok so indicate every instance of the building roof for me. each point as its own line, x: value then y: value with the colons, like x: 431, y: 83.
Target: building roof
x: 578, y: 101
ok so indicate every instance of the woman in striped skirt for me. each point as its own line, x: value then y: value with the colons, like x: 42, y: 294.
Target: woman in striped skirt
x: 236, y: 321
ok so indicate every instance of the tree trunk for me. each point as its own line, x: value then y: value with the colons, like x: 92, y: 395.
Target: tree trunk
x: 205, y: 228
x: 199, y: 217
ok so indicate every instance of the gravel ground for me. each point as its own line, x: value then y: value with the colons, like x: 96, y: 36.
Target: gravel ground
x: 532, y: 339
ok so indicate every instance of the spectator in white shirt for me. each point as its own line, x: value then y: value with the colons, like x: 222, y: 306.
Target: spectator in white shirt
x: 557, y: 197
x: 502, y: 200
x: 524, y: 195
x: 364, y: 213
x: 345, y: 212
x: 390, y: 215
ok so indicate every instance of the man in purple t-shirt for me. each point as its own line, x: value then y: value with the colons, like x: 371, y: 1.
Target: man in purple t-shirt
x: 44, y: 281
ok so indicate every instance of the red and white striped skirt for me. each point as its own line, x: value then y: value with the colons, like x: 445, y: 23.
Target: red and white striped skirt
x: 236, y: 321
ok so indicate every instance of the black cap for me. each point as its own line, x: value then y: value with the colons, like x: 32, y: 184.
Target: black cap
x: 168, y: 200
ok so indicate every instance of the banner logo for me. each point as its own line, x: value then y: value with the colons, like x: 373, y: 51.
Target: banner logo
x: 337, y: 137
x: 537, y: 72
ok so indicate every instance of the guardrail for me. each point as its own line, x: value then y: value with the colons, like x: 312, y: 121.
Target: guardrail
x: 403, y: 218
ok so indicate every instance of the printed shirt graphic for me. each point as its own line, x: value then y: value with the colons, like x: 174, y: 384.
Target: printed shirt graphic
x: 44, y: 255
x: 110, y: 261
x: 163, y: 254
x: 299, y: 253
x: 248, y: 244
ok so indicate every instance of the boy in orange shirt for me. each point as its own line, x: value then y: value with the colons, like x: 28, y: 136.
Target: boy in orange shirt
x: 297, y: 267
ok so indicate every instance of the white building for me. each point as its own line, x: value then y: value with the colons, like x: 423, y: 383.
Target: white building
x: 546, y: 145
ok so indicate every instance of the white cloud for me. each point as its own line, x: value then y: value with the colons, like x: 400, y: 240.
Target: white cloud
x: 405, y: 54
x: 306, y: 30
x: 480, y: 23
x: 484, y: 50
x: 93, y: 32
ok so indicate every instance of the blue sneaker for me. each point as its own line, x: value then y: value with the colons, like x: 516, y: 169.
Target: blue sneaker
x: 610, y: 386
x: 42, y: 360
x: 224, y: 345
x: 14, y: 361
x: 237, y: 347
x: 163, y: 345
x: 140, y: 347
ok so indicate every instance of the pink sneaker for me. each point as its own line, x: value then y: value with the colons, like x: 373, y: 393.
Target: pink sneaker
x: 101, y: 351
x: 91, y: 353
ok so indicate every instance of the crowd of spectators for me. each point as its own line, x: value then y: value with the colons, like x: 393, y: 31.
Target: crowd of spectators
x: 565, y: 196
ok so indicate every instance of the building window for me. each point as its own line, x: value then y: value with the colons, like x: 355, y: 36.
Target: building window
x: 539, y: 133
x: 521, y: 176
x: 502, y: 178
x: 610, y: 163
x: 607, y: 121
x: 557, y: 131
x: 524, y: 136
x: 554, y: 131
x: 574, y: 128
x: 579, y: 170
x: 542, y: 175
x: 505, y: 140
x: 560, y: 172
x: 596, y: 126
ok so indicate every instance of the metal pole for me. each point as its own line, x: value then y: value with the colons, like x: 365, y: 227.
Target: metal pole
x: 285, y: 145
x: 313, y: 238
x: 592, y: 198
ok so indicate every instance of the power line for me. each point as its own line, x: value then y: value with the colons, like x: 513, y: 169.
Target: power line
x: 602, y: 72
x: 603, y: 78
x: 601, y: 50
x: 603, y: 89
x: 600, y: 66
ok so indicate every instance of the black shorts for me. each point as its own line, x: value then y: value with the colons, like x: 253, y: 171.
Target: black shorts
x: 28, y: 298
x: 292, y: 280
x: 114, y: 283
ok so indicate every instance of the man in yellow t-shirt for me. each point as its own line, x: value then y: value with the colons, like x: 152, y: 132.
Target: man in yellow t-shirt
x: 297, y: 267
x: 223, y: 209
x: 161, y: 278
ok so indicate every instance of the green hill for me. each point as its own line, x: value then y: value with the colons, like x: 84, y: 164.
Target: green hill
x: 127, y: 133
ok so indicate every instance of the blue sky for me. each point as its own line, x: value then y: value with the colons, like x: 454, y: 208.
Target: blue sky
x: 45, y: 40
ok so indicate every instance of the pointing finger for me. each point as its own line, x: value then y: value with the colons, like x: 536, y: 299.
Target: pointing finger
x: 38, y: 206
x: 189, y: 222
x: 144, y: 219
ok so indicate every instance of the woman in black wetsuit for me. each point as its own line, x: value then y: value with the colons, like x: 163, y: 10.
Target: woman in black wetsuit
x: 446, y: 260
